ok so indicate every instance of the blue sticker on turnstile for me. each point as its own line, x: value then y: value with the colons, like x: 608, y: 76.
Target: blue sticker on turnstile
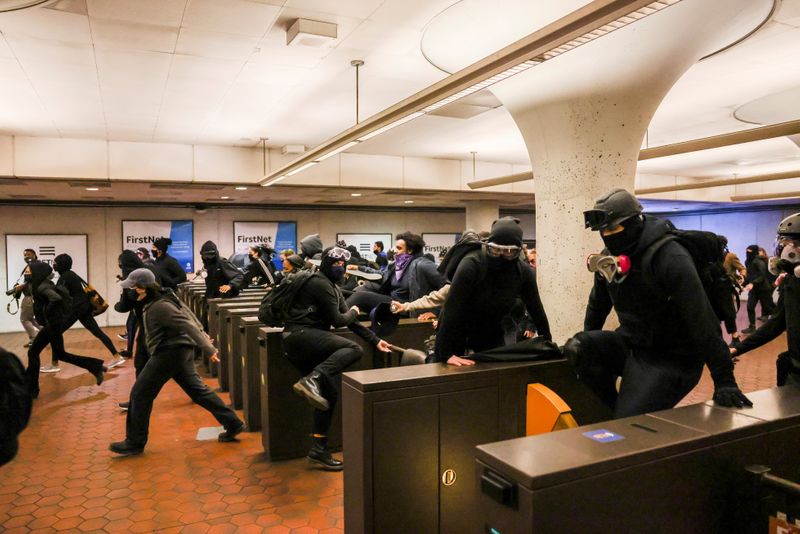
x: 603, y: 436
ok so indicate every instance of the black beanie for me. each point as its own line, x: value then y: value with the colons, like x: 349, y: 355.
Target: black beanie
x: 162, y: 243
x: 62, y: 263
x: 506, y: 231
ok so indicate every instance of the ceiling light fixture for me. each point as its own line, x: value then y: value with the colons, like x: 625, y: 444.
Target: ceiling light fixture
x: 355, y: 194
x: 408, y: 202
x: 592, y: 21
x: 241, y: 188
x: 93, y: 189
x: 224, y: 198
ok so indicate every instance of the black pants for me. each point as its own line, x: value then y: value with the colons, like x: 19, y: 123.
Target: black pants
x: 53, y: 336
x: 317, y: 350
x: 177, y: 364
x: 650, y: 381
x: 89, y: 323
x: 366, y: 300
x: 762, y: 295
x: 131, y: 325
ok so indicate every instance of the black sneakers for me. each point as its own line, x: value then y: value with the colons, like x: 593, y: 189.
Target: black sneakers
x: 123, y: 448
x: 230, y: 434
x: 321, y: 457
x: 100, y: 375
x: 310, y: 388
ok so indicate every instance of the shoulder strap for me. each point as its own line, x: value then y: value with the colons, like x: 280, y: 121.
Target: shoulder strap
x: 647, y: 262
x: 267, y: 271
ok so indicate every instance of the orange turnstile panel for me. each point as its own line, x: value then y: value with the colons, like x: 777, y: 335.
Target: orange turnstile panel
x: 546, y: 411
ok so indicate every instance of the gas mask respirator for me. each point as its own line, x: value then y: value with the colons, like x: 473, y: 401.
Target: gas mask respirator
x: 613, y: 268
x: 786, y: 258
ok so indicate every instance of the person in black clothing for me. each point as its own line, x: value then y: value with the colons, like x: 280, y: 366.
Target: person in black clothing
x: 667, y: 326
x: 129, y: 303
x: 486, y: 284
x: 786, y: 316
x: 260, y: 267
x: 128, y: 262
x: 410, y: 277
x: 52, y: 308
x: 15, y: 404
x: 81, y: 307
x: 172, y: 334
x: 223, y: 278
x: 169, y: 269
x: 758, y: 288
x: 311, y: 247
x: 319, y: 354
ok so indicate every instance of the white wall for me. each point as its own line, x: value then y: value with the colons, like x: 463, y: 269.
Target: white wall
x: 104, y: 228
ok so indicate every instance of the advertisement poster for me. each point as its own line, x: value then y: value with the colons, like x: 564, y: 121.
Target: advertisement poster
x: 363, y: 243
x: 276, y: 235
x: 137, y: 234
x: 439, y: 244
x: 47, y: 247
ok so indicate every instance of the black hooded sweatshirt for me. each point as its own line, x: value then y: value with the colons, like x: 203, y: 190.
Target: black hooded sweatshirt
x: 664, y: 314
x: 756, y: 270
x: 168, y: 268
x: 220, y: 272
x: 51, y: 306
x: 72, y: 282
x: 311, y: 247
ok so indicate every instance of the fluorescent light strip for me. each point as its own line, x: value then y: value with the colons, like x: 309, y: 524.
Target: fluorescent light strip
x: 273, y: 181
x: 588, y: 37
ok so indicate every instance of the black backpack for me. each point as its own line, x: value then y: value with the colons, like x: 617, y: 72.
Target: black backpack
x: 467, y: 243
x: 15, y: 404
x: 708, y: 252
x: 276, y: 306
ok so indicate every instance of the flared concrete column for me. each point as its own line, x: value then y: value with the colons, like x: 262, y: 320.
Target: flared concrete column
x: 481, y: 214
x: 583, y: 116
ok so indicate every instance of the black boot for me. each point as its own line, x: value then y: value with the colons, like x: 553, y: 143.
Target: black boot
x: 749, y: 330
x: 321, y: 456
x: 126, y: 448
x: 310, y: 387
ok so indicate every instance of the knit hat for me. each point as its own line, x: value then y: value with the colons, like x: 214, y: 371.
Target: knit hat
x: 506, y: 231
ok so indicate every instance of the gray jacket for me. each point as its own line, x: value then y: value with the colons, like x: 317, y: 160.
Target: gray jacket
x: 169, y: 324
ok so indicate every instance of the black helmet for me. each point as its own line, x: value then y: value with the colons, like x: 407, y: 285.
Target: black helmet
x: 790, y: 226
x: 611, y: 209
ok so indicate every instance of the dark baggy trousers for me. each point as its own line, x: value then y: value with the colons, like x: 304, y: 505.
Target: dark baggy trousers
x: 317, y: 350
x: 650, y: 381
x: 53, y: 336
x: 178, y: 364
x: 762, y: 295
x: 89, y: 323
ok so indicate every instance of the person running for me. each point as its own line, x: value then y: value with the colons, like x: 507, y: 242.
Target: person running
x: 169, y: 269
x: 172, y: 333
x: 758, y: 288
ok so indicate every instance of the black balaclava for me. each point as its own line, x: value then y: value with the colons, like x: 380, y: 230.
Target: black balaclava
x: 128, y: 262
x: 505, y: 231
x: 624, y: 242
x: 40, y: 272
x: 62, y: 263
x: 162, y: 244
x: 334, y: 274
x: 751, y: 253
x: 209, y: 253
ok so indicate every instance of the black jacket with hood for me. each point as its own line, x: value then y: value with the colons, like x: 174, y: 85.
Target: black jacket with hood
x: 72, y: 282
x: 168, y: 267
x: 220, y: 272
x: 311, y: 247
x: 51, y: 306
x: 665, y: 314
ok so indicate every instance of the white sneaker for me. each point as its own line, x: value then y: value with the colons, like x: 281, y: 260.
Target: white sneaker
x: 123, y: 337
x: 116, y: 362
x: 49, y: 369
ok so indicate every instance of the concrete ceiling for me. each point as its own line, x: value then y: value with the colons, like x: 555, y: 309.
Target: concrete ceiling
x: 219, y: 72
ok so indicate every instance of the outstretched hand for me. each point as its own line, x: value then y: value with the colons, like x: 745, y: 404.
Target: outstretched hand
x: 384, y: 346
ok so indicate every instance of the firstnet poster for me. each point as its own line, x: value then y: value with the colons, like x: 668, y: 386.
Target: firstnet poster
x: 136, y: 234
x: 276, y: 235
x: 439, y: 244
x: 47, y: 247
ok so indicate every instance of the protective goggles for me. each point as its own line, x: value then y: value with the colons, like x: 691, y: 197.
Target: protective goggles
x: 508, y: 252
x: 339, y: 253
x: 787, y: 248
x: 596, y: 219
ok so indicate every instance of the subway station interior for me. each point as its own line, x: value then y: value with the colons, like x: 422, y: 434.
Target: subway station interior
x: 400, y: 266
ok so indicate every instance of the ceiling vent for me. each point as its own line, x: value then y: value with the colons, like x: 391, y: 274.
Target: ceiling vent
x: 314, y: 33
x: 193, y: 187
x: 293, y: 149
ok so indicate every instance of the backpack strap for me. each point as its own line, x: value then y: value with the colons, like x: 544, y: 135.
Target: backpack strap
x: 267, y: 272
x: 647, y: 263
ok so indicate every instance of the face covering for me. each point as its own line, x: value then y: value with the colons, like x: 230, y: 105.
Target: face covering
x: 336, y: 273
x: 400, y: 262
x: 154, y: 252
x: 624, y: 242
x: 27, y: 278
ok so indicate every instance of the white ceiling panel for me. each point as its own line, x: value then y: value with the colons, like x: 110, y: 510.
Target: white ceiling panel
x: 11, y: 72
x: 126, y: 67
x: 133, y: 36
x: 158, y: 12
x: 64, y: 73
x: 197, y: 42
x: 211, y: 70
x: 232, y: 16
x: 5, y: 51
x: 274, y: 75
x: 47, y: 24
x: 360, y: 9
x: 417, y: 13
x: 291, y: 56
x: 31, y: 49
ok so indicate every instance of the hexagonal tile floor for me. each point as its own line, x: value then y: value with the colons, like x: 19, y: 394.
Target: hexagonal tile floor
x: 66, y: 480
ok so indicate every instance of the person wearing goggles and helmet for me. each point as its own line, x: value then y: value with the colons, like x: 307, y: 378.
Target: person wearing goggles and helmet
x: 786, y: 317
x: 320, y: 355
x: 486, y: 285
x: 667, y: 326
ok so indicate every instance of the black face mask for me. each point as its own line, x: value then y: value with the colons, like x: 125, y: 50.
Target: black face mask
x: 27, y: 278
x: 252, y: 258
x: 625, y: 242
x: 154, y: 252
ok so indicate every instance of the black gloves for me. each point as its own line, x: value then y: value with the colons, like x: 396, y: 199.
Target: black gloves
x: 729, y: 395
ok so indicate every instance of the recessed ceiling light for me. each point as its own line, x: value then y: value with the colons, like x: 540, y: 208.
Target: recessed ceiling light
x: 408, y: 201
x: 93, y: 189
x: 355, y: 194
x: 241, y: 188
x: 224, y: 198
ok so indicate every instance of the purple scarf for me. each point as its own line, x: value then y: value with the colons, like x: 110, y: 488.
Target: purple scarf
x: 400, y: 263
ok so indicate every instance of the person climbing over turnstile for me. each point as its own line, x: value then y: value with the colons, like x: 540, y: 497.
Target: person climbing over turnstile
x: 786, y: 317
